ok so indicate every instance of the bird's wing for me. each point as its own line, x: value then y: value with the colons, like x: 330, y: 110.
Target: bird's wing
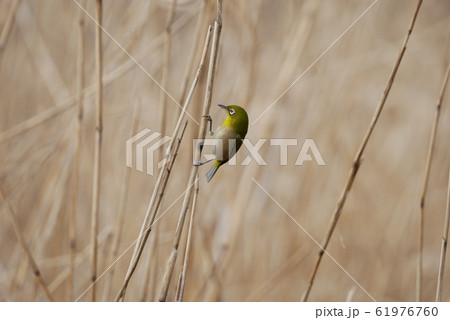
x: 222, y: 148
x: 237, y: 143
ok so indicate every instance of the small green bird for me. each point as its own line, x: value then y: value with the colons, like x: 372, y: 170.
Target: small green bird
x: 228, y: 136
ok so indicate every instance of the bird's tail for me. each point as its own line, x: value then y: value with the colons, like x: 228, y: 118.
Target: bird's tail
x: 212, y: 171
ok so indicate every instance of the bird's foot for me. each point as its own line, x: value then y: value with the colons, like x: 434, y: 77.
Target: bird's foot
x: 209, y: 119
x: 198, y: 163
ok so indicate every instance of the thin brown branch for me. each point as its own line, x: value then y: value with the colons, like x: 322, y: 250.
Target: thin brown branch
x: 149, y: 268
x: 98, y: 145
x: 201, y: 136
x: 169, y: 168
x: 23, y: 244
x: 423, y: 194
x: 76, y: 158
x: 444, y: 247
x: 146, y: 232
x: 447, y: 215
x: 182, y: 278
x: 161, y: 183
x: 153, y: 288
x: 357, y: 161
x: 153, y: 249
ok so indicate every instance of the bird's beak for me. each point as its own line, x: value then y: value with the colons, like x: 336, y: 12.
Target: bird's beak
x: 222, y: 106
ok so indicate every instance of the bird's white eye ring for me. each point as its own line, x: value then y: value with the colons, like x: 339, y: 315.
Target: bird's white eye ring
x: 231, y: 111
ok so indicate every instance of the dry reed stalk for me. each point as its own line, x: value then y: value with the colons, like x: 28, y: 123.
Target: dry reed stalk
x: 161, y: 183
x: 143, y: 236
x: 52, y: 202
x: 443, y: 247
x: 117, y: 235
x: 423, y: 193
x: 23, y: 244
x: 182, y: 278
x: 240, y: 201
x: 98, y: 145
x: 155, y: 253
x: 8, y: 24
x: 194, y: 170
x: 149, y: 268
x: 76, y: 158
x: 358, y: 157
x: 168, y: 168
x: 447, y: 216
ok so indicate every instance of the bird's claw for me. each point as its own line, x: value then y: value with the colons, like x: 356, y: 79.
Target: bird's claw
x: 209, y: 119
x: 198, y: 163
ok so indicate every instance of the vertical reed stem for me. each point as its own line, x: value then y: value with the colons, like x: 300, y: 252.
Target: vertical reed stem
x: 431, y: 145
x: 358, y: 157
x: 444, y: 247
x: 161, y: 183
x: 193, y: 175
x: 76, y: 158
x: 98, y: 144
x: 182, y: 278
x: 23, y: 244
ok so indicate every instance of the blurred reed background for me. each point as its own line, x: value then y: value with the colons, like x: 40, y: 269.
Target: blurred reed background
x: 244, y: 246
